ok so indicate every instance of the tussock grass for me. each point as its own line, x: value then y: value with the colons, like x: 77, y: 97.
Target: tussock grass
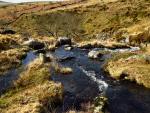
x: 33, y: 91
x: 65, y: 70
x: 11, y: 52
x: 131, y: 66
x: 93, y: 43
x: 11, y: 59
x: 62, y: 70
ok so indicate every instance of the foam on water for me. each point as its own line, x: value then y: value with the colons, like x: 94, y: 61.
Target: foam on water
x: 102, y: 85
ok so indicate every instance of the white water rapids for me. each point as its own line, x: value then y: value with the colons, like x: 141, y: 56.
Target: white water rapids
x: 102, y: 85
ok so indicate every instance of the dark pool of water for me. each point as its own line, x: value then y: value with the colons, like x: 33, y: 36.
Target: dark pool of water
x: 127, y: 97
x: 88, y: 81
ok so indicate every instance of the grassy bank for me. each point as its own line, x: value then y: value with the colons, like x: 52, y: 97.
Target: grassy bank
x: 33, y: 91
x: 11, y: 52
x: 130, y: 66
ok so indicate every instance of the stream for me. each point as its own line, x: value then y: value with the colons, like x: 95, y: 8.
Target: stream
x: 87, y: 81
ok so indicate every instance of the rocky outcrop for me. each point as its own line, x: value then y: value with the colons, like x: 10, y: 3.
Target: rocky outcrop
x: 118, y: 46
x: 34, y: 44
x: 63, y: 41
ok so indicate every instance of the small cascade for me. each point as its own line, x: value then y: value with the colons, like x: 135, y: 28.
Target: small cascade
x: 102, y: 85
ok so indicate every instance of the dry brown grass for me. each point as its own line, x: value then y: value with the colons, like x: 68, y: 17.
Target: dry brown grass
x: 33, y: 91
x: 99, y: 43
x: 33, y: 99
x: 11, y: 59
x: 61, y: 69
x: 12, y: 12
x: 131, y: 67
x: 36, y: 72
x: 10, y: 41
x: 65, y: 70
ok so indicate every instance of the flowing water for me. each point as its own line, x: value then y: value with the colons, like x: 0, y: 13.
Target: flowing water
x: 87, y: 81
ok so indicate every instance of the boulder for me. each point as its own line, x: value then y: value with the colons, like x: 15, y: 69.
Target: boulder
x: 95, y: 54
x: 34, y: 44
x: 63, y: 41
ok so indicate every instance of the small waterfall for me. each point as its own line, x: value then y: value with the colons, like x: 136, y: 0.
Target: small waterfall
x: 102, y: 85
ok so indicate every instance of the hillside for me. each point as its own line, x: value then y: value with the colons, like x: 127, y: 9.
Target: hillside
x: 13, y: 12
x: 86, y: 20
